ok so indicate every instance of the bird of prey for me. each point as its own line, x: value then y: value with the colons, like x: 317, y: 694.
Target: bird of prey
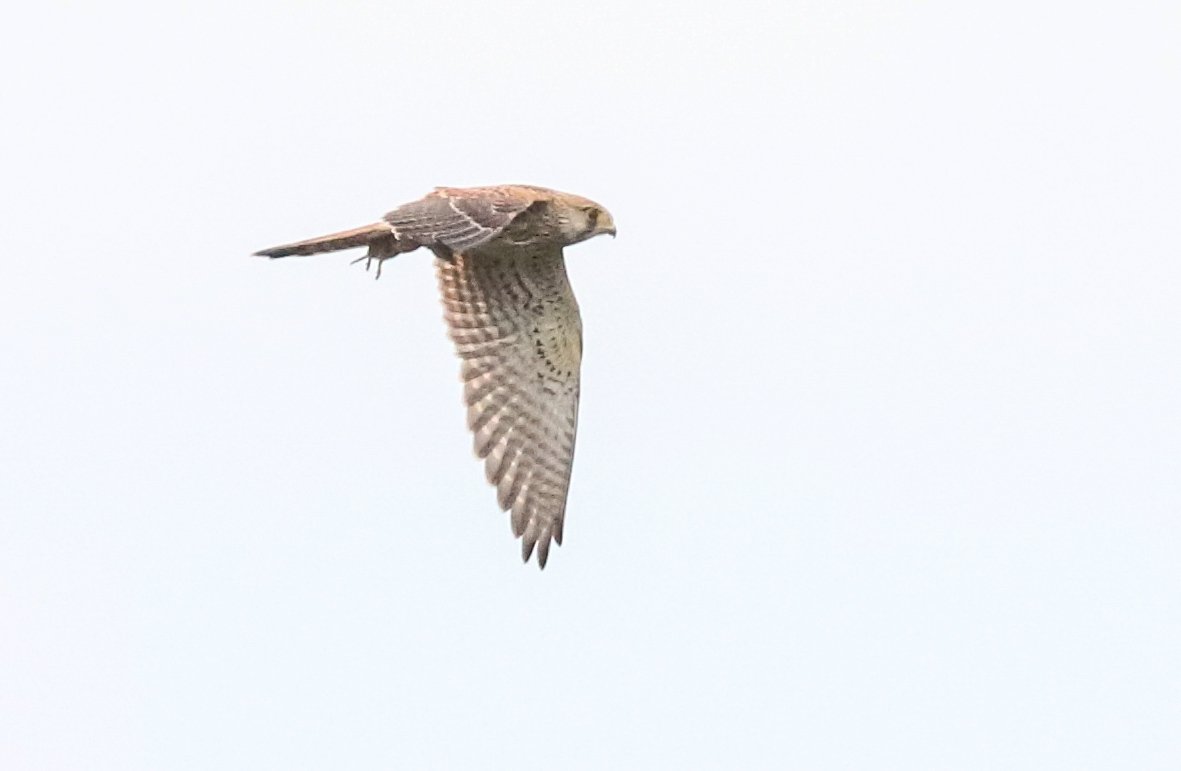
x: 515, y: 324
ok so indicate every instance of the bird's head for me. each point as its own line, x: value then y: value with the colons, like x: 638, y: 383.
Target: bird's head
x: 581, y: 218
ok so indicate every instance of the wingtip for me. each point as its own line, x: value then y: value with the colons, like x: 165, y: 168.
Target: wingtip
x: 527, y: 548
x: 542, y: 547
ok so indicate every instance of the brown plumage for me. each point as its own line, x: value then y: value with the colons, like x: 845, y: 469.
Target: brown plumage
x: 515, y: 324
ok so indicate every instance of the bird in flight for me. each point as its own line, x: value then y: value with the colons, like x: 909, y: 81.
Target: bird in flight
x: 515, y: 324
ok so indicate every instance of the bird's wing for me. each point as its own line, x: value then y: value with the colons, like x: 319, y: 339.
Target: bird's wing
x: 460, y: 219
x: 516, y: 327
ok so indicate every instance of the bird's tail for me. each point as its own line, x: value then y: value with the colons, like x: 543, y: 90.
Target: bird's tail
x: 378, y: 237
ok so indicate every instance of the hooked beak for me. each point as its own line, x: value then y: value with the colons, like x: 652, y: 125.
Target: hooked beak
x: 607, y: 226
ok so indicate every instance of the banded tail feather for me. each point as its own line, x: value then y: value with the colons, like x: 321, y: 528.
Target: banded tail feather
x: 379, y: 237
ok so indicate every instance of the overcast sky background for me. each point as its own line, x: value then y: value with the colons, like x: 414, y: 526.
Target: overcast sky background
x: 879, y: 462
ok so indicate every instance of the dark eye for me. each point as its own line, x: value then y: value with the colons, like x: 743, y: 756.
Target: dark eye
x: 593, y: 216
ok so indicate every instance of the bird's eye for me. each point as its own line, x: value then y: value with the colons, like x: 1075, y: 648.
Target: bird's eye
x: 593, y: 216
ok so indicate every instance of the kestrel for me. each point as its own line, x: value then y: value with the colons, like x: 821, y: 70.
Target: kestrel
x: 515, y: 324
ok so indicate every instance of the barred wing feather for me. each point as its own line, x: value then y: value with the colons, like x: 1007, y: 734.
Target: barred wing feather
x: 516, y: 327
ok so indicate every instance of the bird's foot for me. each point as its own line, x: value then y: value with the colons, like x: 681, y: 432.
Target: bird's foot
x: 369, y: 260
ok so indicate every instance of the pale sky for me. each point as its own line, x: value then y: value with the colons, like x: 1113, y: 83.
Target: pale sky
x: 879, y: 463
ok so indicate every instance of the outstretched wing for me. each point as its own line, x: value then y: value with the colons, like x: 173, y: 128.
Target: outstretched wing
x: 460, y: 219
x: 515, y: 324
